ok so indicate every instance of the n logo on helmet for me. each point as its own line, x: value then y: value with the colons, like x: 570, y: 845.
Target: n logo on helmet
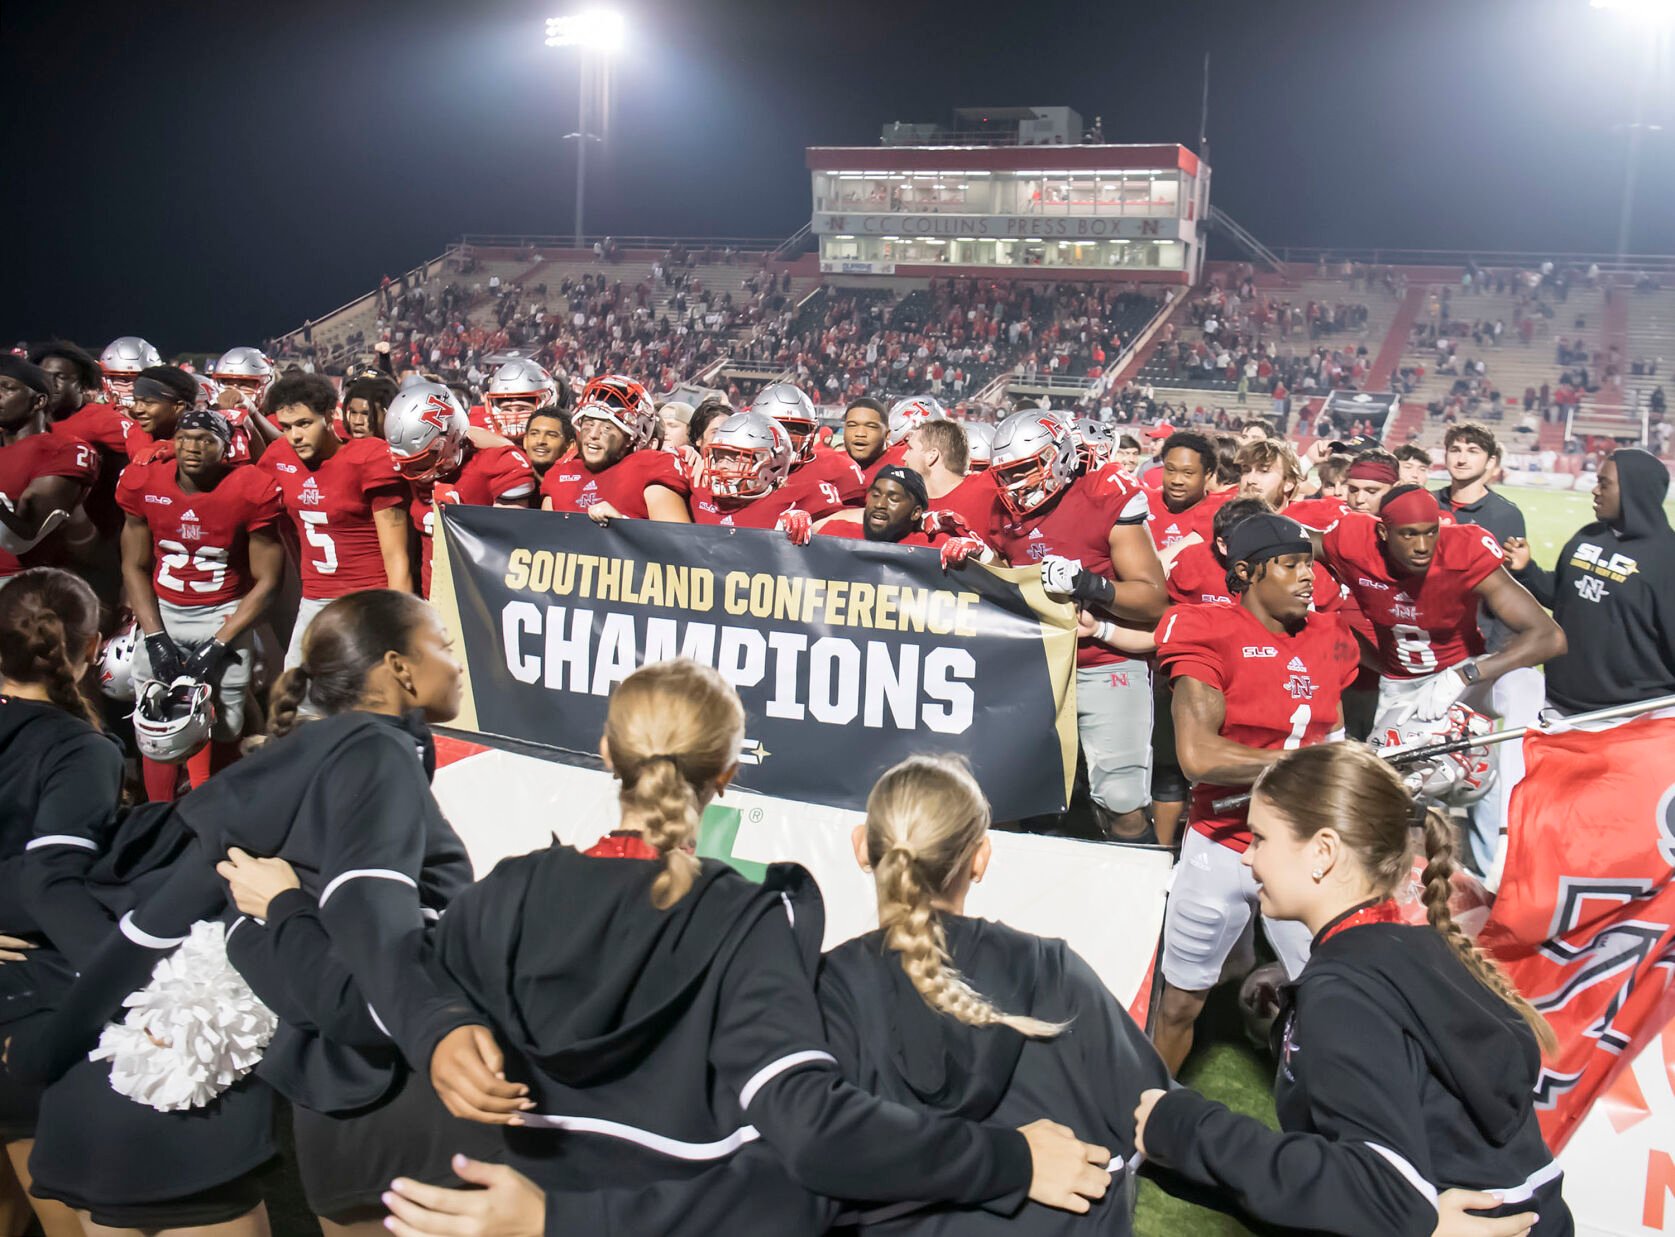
x: 437, y: 412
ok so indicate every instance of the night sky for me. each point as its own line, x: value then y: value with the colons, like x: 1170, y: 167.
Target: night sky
x: 208, y: 174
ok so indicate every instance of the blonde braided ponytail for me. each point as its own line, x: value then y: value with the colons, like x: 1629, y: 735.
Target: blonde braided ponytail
x: 925, y: 820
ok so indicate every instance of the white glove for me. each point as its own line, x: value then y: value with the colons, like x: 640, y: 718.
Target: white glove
x: 1437, y: 694
x: 1058, y: 575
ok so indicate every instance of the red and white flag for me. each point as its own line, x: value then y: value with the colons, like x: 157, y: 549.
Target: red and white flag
x: 1584, y: 921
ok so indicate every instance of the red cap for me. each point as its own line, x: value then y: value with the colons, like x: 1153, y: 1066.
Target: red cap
x: 1161, y: 430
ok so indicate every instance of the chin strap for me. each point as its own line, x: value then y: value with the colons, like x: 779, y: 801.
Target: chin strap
x: 15, y: 543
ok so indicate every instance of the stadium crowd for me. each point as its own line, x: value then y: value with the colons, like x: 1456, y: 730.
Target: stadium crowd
x: 243, y: 554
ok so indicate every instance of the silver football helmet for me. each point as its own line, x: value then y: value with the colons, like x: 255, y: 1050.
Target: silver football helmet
x: 1096, y: 441
x: 794, y: 410
x: 246, y: 370
x: 748, y: 456
x: 1033, y: 459
x: 116, y: 663
x: 1454, y: 779
x: 121, y: 360
x: 172, y: 721
x: 979, y: 441
x: 906, y: 415
x: 516, y: 391
x: 425, y: 427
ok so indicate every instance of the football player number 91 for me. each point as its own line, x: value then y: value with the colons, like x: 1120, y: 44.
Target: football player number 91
x: 1413, y: 648
x: 314, y: 528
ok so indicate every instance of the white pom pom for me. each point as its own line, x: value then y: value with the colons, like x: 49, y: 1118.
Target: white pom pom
x: 190, y: 1033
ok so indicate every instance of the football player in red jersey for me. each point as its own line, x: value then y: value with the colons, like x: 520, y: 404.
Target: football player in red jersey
x: 1182, y: 505
x: 365, y: 401
x: 158, y: 395
x: 201, y: 559
x: 1269, y: 469
x: 614, y: 474
x: 1088, y: 533
x: 939, y: 451
x: 895, y: 511
x: 345, y: 500
x: 121, y: 361
x: 548, y: 437
x: 76, y: 410
x: 1419, y: 582
x: 44, y: 477
x: 816, y: 471
x: 1372, y: 474
x: 1198, y: 574
x: 428, y: 435
x: 746, y: 467
x: 1251, y: 682
x: 516, y: 390
x: 866, y: 429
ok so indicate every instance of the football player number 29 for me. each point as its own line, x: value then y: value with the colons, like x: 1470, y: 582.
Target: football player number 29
x: 1413, y: 648
x: 314, y: 528
x: 208, y: 561
x: 1299, y: 723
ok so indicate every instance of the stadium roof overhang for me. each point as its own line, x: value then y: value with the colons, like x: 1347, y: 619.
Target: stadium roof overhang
x: 1051, y: 158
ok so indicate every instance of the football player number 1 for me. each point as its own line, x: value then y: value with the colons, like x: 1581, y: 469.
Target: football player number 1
x: 314, y: 528
x: 1413, y: 648
x: 1299, y: 723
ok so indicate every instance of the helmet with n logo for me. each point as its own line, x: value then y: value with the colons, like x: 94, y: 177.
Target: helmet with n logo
x: 907, y: 415
x: 1033, y: 459
x: 794, y: 410
x: 1096, y: 441
x: 748, y: 456
x: 518, y: 390
x: 172, y: 721
x: 425, y: 427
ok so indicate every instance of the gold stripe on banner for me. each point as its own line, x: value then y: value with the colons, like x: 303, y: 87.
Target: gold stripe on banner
x: 446, y: 602
x: 1058, y: 638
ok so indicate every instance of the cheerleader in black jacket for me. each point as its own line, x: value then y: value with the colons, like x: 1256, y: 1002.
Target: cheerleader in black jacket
x: 1407, y: 1061
x: 661, y: 1010
x: 60, y: 780
x: 972, y: 1018
x: 346, y: 801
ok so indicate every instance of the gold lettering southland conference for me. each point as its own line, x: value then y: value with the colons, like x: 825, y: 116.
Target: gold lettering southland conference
x: 761, y: 595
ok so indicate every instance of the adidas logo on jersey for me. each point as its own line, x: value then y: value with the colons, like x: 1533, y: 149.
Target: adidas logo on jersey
x: 1296, y: 663
x: 188, y: 514
x: 310, y: 495
x: 1034, y: 534
x: 1173, y: 530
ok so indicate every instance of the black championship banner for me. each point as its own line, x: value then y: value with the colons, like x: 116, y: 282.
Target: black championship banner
x: 849, y: 654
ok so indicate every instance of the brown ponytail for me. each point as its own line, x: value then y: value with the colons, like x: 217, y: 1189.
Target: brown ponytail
x: 47, y: 616
x: 1439, y: 871
x: 673, y: 730
x: 925, y: 819
x: 1347, y: 788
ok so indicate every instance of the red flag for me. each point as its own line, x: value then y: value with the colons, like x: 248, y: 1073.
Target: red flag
x: 1584, y: 922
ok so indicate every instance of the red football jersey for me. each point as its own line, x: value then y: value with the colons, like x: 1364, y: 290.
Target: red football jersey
x: 1168, y: 527
x: 892, y: 455
x: 976, y: 500
x: 490, y: 476
x: 331, y: 506
x: 623, y: 484
x: 43, y: 455
x: 200, y: 541
x: 1195, y: 577
x: 103, y: 425
x: 1316, y: 513
x: 1076, y: 524
x: 1424, y: 623
x: 764, y: 512
x: 1282, y: 691
x: 834, y: 469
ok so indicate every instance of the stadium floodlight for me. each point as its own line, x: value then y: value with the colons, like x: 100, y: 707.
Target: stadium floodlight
x: 598, y: 29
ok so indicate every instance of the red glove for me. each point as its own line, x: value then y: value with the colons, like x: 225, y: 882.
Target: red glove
x: 797, y: 525
x: 156, y: 453
x: 956, y: 550
x: 944, y: 522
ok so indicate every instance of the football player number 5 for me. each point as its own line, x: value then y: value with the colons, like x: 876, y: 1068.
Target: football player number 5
x: 1413, y: 648
x: 314, y: 528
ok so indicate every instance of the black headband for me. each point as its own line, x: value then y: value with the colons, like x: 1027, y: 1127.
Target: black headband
x: 30, y: 375
x: 1263, y: 536
x: 151, y: 388
x: 909, y: 480
x: 202, y: 419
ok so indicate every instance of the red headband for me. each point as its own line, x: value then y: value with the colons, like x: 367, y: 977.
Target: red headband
x: 1417, y: 506
x: 1371, y: 470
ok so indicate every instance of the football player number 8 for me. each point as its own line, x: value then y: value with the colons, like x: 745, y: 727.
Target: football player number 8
x: 1413, y: 648
x: 206, y: 559
x: 314, y: 528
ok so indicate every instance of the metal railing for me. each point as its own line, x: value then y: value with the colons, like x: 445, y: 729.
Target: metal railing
x: 746, y: 244
x: 325, y: 319
x: 1609, y: 263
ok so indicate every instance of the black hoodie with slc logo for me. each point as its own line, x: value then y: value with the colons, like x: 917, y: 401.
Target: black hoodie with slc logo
x: 1613, y: 592
x: 1401, y: 1076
